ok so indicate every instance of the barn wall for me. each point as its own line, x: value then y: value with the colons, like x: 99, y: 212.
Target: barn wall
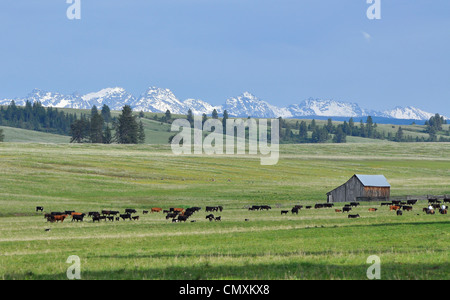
x: 353, y: 190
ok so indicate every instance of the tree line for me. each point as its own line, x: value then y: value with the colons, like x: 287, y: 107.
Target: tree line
x: 99, y: 128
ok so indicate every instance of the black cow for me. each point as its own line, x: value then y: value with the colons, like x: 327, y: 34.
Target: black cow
x: 411, y: 202
x: 78, y: 217
x: 354, y: 204
x: 284, y: 212
x: 399, y: 212
x: 294, y: 210
x: 39, y: 208
x: 346, y: 209
x: 125, y: 216
x: 130, y: 211
x: 353, y: 216
x: 218, y: 218
x: 182, y: 218
x: 210, y: 217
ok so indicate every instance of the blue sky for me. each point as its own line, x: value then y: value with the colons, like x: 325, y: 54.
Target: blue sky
x: 282, y: 51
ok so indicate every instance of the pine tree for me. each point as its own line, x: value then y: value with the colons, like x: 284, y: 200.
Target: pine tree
x: 96, y: 127
x: 141, y: 133
x: 215, y: 115
x: 127, y: 127
x: 106, y: 114
x: 107, y: 136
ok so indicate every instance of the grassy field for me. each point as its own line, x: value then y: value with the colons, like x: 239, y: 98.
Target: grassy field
x: 315, y: 244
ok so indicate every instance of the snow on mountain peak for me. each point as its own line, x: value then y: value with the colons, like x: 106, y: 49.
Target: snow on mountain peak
x: 160, y: 100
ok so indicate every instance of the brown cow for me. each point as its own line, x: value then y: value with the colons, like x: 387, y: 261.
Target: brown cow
x: 56, y: 218
x: 373, y: 209
x: 156, y: 209
x: 338, y: 210
x: 394, y: 207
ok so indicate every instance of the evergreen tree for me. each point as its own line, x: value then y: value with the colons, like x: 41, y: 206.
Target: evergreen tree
x: 96, y: 127
x: 399, y: 135
x: 215, y: 115
x: 106, y: 113
x: 303, y: 132
x: 107, y: 135
x: 141, y: 133
x: 190, y: 117
x: 168, y: 116
x: 2, y: 136
x: 79, y: 131
x: 126, y: 127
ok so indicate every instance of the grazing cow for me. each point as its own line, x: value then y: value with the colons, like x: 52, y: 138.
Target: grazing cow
x: 93, y: 213
x: 394, y: 207
x: 78, y: 217
x: 399, y: 213
x: 130, y: 211
x: 110, y: 218
x: 294, y: 210
x: 373, y: 209
x: 407, y: 208
x: 210, y: 217
x: 353, y: 216
x: 211, y: 208
x: 182, y: 218
x: 144, y: 212
x: 318, y: 206
x: 39, y: 208
x: 411, y: 202
x: 179, y: 210
x: 308, y: 207
x: 136, y: 218
x: 266, y: 207
x: 125, y: 216
x: 354, y: 204
x: 117, y: 218
x: 338, y: 210
x: 171, y: 215
x: 447, y: 200
x: 346, y: 209
x: 57, y: 218
x: 218, y: 218
x: 443, y: 211
x: 156, y: 209
x: 284, y: 212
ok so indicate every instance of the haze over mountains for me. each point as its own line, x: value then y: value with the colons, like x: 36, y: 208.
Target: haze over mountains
x: 159, y: 100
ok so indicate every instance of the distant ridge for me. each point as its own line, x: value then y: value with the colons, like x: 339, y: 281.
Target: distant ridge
x: 159, y: 100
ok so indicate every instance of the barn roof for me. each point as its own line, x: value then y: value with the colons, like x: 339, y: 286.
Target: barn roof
x: 373, y: 180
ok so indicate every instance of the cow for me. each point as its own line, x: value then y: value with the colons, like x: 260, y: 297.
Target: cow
x: 210, y: 217
x: 443, y: 211
x: 59, y: 218
x: 353, y: 216
x: 156, y: 209
x: 284, y: 212
x: 394, y: 207
x: 338, y: 210
x: 266, y: 207
x: 354, y: 204
x: 373, y: 209
x: 346, y: 209
x: 77, y: 217
x: 386, y: 203
x: 179, y: 210
x: 211, y: 208
x: 411, y: 202
x: 308, y: 207
x: 447, y: 200
x: 93, y: 213
x: 294, y: 210
x: 125, y: 216
x: 136, y: 218
x: 182, y: 218
x: 144, y: 212
x: 39, y: 208
x: 130, y: 211
x: 399, y: 213
x: 171, y: 215
x: 407, y: 208
x: 318, y: 206
x: 218, y: 218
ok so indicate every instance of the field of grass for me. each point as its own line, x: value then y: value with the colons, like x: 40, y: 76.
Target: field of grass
x: 315, y: 244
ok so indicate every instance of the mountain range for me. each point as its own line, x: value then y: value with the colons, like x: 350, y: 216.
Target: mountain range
x: 160, y: 100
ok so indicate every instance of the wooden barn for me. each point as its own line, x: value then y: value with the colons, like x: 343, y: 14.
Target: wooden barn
x: 361, y: 188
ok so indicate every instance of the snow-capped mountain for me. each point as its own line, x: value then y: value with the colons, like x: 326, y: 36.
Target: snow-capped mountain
x: 248, y: 105
x: 408, y: 112
x: 160, y: 100
x: 115, y: 98
x: 326, y: 108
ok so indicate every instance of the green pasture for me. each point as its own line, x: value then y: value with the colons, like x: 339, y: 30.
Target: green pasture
x: 315, y: 244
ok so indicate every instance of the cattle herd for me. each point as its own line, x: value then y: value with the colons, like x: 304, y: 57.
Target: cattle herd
x: 177, y: 215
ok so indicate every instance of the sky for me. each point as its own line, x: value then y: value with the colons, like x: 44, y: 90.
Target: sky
x: 282, y: 51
